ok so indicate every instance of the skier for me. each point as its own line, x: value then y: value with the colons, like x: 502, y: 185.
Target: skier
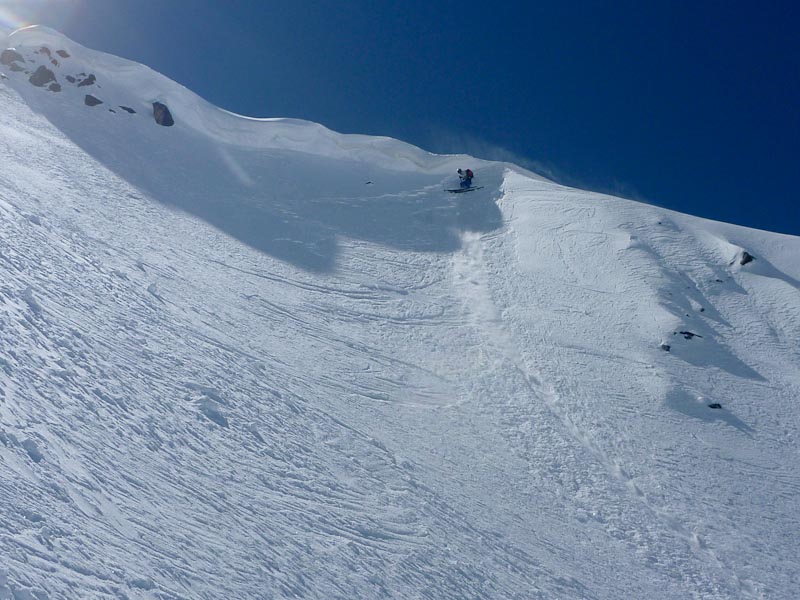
x: 466, y: 177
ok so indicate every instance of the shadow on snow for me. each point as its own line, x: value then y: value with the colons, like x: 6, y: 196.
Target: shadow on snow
x: 290, y: 205
x: 683, y: 402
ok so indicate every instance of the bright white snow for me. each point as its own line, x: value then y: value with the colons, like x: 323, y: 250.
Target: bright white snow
x: 248, y: 358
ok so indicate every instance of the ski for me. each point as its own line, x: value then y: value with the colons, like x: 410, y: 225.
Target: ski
x: 463, y: 190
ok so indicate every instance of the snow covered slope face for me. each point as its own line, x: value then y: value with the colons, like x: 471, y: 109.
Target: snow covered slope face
x: 250, y: 358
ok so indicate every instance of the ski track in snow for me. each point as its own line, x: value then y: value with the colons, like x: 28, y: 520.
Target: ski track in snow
x: 471, y: 277
x: 683, y: 255
x: 243, y: 372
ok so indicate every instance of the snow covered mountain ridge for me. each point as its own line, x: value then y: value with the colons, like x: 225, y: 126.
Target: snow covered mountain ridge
x: 255, y: 358
x: 127, y: 85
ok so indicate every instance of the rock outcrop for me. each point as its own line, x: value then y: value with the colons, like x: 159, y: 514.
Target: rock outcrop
x: 90, y: 80
x: 9, y: 56
x: 42, y: 76
x: 38, y: 63
x: 162, y: 115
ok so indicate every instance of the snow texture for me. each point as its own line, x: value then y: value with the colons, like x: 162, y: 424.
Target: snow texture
x: 255, y: 358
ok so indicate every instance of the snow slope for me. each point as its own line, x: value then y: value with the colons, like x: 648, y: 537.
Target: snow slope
x: 247, y: 358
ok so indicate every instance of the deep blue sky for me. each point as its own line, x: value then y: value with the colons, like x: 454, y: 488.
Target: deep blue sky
x: 691, y: 105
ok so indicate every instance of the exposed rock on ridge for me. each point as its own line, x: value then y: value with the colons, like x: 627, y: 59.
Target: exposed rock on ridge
x: 42, y: 76
x: 45, y: 77
x: 162, y: 115
x: 90, y: 80
x: 9, y: 56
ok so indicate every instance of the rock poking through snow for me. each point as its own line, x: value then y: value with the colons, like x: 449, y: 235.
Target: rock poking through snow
x: 90, y: 80
x: 42, y: 76
x: 688, y: 335
x: 162, y: 115
x: 9, y: 56
x: 90, y: 100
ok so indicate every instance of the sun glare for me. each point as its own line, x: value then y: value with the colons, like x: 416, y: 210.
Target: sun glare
x: 21, y: 13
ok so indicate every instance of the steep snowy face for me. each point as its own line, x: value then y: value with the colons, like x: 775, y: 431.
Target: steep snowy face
x: 249, y: 358
x: 237, y: 173
x: 241, y: 175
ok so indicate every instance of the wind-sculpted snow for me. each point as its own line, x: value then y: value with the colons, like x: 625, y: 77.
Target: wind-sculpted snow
x: 138, y: 86
x: 259, y: 359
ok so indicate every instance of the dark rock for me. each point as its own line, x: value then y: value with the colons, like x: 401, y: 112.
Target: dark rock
x: 62, y: 53
x: 42, y: 76
x: 128, y: 109
x: 665, y: 347
x: 54, y: 62
x: 55, y: 87
x: 715, y: 405
x: 112, y: 110
x: 688, y: 334
x: 162, y: 115
x: 88, y: 81
x: 9, y: 56
x: 91, y: 100
x: 702, y: 310
x: 45, y: 50
x: 71, y: 79
x: 746, y: 258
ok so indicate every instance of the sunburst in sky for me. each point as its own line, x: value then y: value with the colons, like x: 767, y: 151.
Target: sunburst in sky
x: 21, y: 13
